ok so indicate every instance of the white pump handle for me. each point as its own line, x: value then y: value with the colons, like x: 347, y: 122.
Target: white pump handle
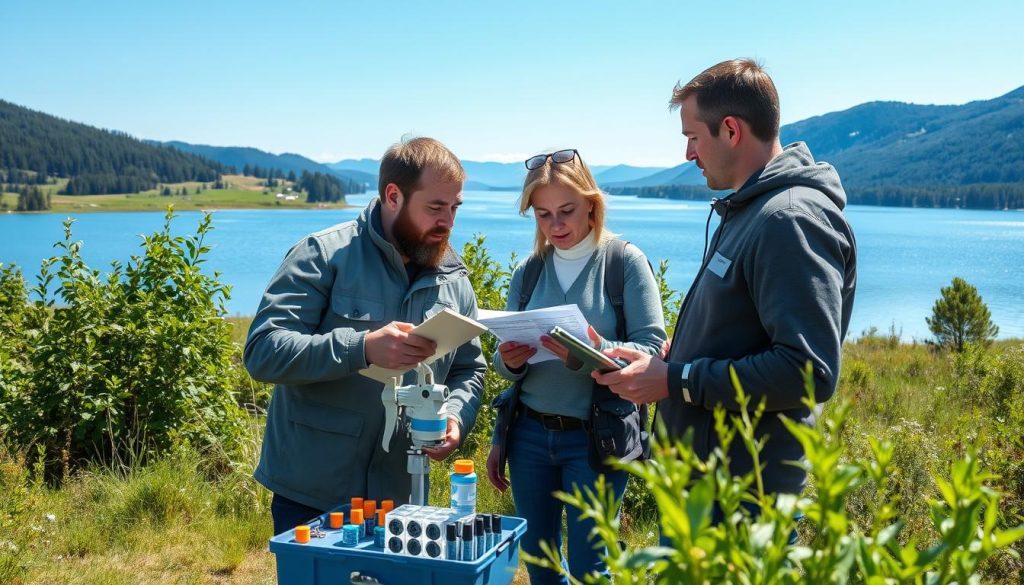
x: 389, y: 397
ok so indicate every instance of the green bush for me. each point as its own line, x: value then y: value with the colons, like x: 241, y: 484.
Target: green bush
x: 490, y: 283
x: 749, y: 550
x: 127, y: 365
x: 960, y: 317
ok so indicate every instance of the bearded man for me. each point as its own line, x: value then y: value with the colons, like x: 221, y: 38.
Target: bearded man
x: 345, y: 298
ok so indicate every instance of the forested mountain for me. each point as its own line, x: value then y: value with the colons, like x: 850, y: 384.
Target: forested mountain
x: 892, y: 153
x: 890, y: 143
x: 241, y: 156
x: 95, y: 160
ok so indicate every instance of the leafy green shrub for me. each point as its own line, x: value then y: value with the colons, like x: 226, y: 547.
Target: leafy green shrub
x: 747, y: 549
x: 130, y: 364
x: 960, y: 317
x: 490, y: 283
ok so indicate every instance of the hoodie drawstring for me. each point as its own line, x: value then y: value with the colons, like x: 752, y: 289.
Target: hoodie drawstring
x: 725, y: 202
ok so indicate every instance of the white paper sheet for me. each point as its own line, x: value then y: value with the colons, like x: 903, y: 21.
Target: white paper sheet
x: 448, y: 328
x: 527, y: 326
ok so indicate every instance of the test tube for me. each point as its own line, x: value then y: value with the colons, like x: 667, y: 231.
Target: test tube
x: 478, y: 536
x: 468, y: 549
x: 451, y: 544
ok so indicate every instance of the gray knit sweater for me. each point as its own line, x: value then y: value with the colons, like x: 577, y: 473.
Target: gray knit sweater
x: 549, y: 386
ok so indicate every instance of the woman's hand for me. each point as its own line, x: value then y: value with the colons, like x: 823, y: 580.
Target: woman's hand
x: 495, y: 475
x: 515, y: 354
x: 559, y: 350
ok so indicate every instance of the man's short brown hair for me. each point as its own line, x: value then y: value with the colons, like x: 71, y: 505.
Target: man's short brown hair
x: 739, y: 88
x: 404, y: 162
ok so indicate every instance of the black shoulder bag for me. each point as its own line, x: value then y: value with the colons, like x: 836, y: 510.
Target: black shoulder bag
x: 618, y: 427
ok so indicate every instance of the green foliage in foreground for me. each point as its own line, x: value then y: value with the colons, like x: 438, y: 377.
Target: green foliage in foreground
x: 756, y: 550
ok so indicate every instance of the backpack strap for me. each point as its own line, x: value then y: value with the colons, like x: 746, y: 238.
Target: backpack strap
x: 614, y: 282
x: 531, y: 274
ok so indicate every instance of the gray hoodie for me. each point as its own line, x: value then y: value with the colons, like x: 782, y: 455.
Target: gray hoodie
x: 775, y: 291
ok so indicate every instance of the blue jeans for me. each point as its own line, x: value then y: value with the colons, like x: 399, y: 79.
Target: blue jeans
x: 541, y: 462
x: 288, y: 514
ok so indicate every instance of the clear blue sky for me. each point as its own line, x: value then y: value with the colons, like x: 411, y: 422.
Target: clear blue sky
x: 495, y: 81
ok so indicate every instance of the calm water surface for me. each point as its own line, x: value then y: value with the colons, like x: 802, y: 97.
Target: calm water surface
x: 906, y: 255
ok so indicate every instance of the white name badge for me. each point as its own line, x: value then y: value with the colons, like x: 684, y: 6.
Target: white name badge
x: 719, y: 265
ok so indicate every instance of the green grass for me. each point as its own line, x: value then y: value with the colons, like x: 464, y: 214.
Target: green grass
x: 242, y: 193
x: 176, y: 522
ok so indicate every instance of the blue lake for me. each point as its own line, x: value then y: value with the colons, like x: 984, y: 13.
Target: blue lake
x: 906, y: 255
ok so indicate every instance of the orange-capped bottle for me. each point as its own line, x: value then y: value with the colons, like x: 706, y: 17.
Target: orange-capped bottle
x: 302, y: 534
x: 355, y: 516
x: 337, y: 520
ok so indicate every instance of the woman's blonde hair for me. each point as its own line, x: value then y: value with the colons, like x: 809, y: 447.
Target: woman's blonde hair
x: 575, y: 175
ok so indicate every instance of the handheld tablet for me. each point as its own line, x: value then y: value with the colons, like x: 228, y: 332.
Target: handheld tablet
x: 590, y: 357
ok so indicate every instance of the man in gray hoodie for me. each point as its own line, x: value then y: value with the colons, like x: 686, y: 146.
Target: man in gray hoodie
x: 776, y: 286
x: 347, y: 297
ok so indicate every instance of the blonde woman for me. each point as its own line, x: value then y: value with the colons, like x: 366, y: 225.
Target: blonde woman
x: 547, y: 440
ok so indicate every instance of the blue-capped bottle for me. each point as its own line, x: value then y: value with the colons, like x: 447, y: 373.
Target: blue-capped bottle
x: 463, y: 481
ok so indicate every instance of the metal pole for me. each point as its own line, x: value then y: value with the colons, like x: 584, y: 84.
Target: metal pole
x: 419, y: 470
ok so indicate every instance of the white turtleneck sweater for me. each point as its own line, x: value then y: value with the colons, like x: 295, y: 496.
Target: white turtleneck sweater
x: 569, y: 263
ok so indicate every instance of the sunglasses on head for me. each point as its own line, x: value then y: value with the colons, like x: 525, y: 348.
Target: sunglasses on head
x: 559, y: 156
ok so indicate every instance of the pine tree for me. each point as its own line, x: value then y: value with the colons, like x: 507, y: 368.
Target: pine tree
x: 960, y: 317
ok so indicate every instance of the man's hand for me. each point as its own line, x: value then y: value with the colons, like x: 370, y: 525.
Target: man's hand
x: 515, y: 354
x: 394, y: 348
x: 644, y: 380
x: 451, y: 442
x: 495, y: 475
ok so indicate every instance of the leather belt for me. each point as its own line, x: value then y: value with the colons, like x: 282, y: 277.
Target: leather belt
x: 554, y: 422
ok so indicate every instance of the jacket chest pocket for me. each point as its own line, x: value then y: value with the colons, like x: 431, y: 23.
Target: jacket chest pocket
x: 436, y: 307
x: 359, y: 313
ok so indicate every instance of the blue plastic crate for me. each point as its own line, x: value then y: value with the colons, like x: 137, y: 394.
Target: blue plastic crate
x: 325, y: 561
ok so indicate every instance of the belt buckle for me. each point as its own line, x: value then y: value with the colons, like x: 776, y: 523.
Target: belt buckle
x: 552, y: 422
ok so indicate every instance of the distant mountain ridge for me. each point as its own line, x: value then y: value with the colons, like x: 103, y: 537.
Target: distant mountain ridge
x: 240, y: 156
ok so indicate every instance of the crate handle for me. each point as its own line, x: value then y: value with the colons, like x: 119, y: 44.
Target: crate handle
x: 358, y: 578
x: 504, y: 544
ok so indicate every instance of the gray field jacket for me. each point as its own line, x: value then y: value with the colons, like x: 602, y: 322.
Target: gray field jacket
x: 322, y: 443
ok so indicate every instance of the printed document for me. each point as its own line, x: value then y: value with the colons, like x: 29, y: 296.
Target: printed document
x: 526, y: 327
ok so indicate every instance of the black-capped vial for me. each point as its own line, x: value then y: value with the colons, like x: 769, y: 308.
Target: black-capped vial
x: 433, y: 549
x: 488, y: 537
x: 468, y: 549
x: 451, y: 546
x: 478, y: 535
x: 496, y: 528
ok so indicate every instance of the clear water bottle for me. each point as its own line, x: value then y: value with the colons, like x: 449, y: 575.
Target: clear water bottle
x: 463, y: 481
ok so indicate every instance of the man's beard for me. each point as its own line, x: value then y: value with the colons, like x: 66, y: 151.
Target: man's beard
x: 412, y: 242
